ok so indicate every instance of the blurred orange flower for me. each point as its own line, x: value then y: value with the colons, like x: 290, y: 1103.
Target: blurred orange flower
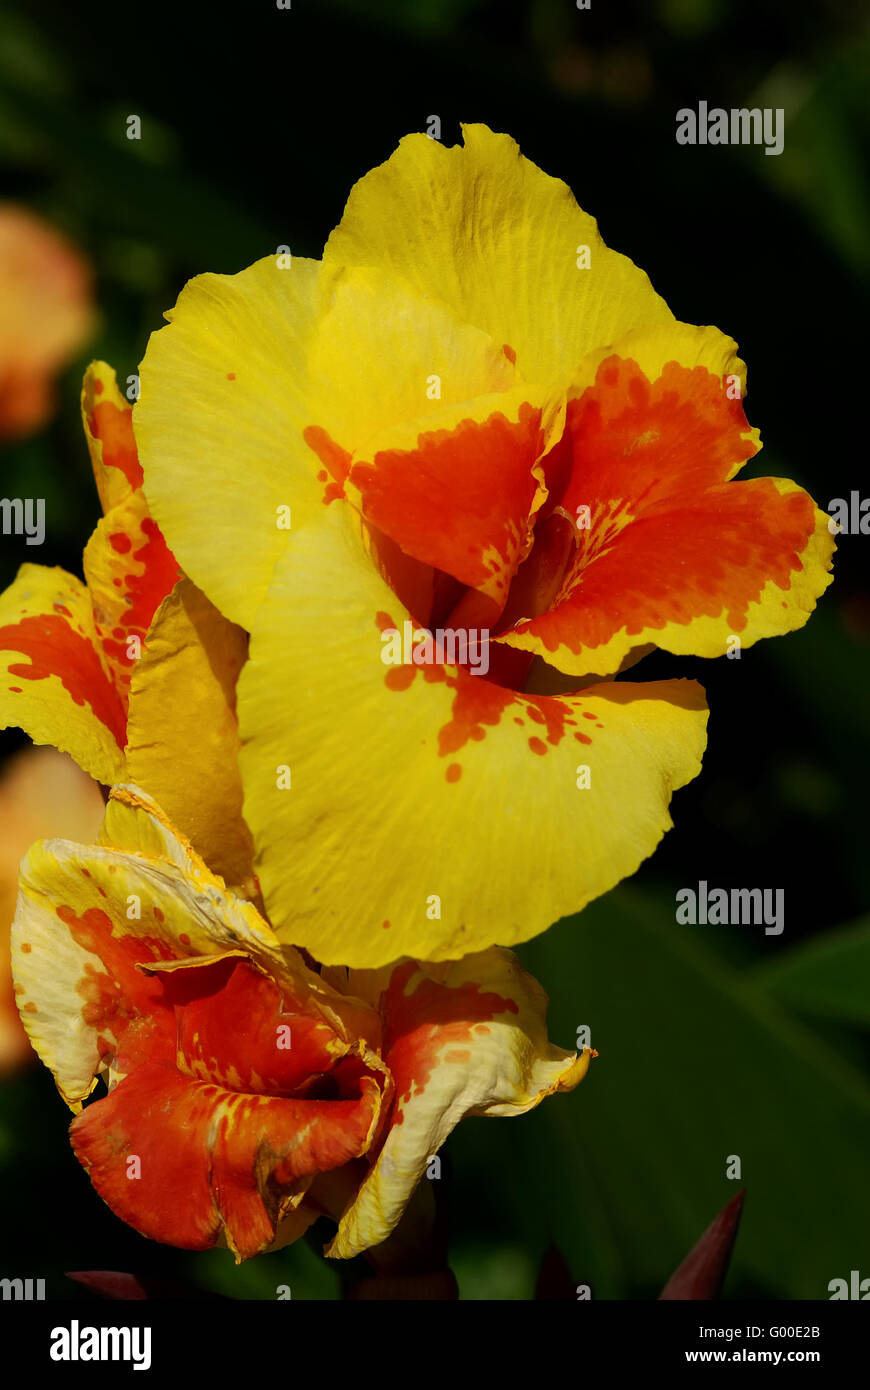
x: 46, y: 314
x: 42, y: 793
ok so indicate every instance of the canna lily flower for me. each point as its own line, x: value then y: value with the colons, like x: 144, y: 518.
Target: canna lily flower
x: 46, y: 314
x: 247, y: 1093
x: 471, y: 417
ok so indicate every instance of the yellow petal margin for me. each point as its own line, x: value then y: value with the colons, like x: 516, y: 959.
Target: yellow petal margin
x: 482, y: 818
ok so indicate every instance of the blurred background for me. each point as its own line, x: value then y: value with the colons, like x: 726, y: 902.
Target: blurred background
x: 713, y: 1041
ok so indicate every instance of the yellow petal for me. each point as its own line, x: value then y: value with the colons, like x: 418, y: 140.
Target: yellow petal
x: 219, y: 425
x: 483, y: 228
x: 182, y: 734
x: 402, y: 811
x: 384, y: 354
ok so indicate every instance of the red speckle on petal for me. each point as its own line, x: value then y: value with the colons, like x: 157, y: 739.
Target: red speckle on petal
x: 453, y: 773
x: 98, y: 388
x: 120, y: 542
x: 335, y: 459
x: 538, y: 746
x: 231, y: 376
x: 399, y: 677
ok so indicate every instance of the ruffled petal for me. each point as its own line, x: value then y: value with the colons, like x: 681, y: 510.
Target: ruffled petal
x: 666, y: 550
x: 214, y: 1164
x: 466, y: 1038
x: 91, y: 918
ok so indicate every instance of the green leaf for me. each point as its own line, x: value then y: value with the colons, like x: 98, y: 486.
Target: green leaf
x: 696, y: 1064
x: 828, y: 977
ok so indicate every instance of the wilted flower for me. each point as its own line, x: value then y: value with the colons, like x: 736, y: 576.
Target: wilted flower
x: 238, y: 1076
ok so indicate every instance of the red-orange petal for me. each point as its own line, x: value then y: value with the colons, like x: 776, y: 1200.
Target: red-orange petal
x: 668, y: 550
x: 213, y: 1161
x: 460, y: 499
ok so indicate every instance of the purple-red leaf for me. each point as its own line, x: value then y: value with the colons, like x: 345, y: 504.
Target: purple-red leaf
x: 111, y: 1283
x: 702, y: 1273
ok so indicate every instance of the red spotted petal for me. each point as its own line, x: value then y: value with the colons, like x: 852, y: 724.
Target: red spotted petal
x: 644, y: 538
x: 52, y: 683
x: 129, y: 571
